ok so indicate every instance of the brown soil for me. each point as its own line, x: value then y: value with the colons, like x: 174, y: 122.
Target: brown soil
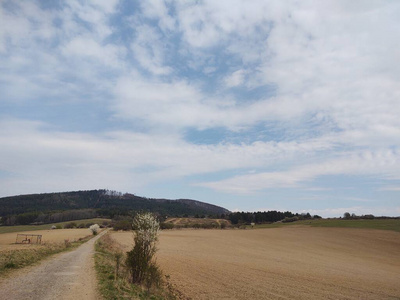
x: 281, y: 263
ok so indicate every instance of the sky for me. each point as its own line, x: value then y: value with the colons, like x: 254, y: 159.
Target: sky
x: 250, y: 105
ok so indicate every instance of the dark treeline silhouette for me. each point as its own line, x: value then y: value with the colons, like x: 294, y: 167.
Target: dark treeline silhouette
x: 50, y: 217
x: 67, y: 206
x: 268, y: 217
x: 259, y: 217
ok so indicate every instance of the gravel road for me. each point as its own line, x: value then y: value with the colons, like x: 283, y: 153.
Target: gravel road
x: 69, y: 275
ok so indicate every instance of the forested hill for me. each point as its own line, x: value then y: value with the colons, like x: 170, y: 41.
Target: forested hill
x: 105, y: 202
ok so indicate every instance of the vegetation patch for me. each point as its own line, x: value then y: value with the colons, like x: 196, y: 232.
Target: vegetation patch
x: 20, y: 258
x: 381, y: 224
x: 204, y: 223
x: 81, y: 224
x: 115, y: 278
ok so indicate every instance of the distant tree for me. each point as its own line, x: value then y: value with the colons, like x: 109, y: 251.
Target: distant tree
x: 94, y: 229
x: 368, y: 217
x: 346, y: 215
x: 70, y: 225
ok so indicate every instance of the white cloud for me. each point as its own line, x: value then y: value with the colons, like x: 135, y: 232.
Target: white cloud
x: 209, y: 23
x: 330, y: 58
x: 391, y: 188
x: 139, y: 158
x: 149, y: 49
x: 235, y: 79
x: 158, y: 10
x: 94, y: 13
x: 86, y: 49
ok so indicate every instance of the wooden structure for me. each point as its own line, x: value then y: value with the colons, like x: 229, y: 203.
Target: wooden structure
x: 23, y: 238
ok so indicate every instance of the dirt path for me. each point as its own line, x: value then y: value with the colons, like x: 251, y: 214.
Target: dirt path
x: 69, y: 275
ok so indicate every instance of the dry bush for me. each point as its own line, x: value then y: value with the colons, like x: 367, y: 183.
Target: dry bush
x: 142, y: 267
x: 115, y: 276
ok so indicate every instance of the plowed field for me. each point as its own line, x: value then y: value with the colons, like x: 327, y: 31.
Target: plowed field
x: 280, y: 263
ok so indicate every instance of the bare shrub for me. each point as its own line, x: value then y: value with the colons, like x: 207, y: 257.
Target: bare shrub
x: 67, y: 243
x: 118, y: 256
x: 70, y: 225
x: 164, y: 225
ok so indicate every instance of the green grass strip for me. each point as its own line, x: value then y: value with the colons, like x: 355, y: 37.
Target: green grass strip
x: 379, y: 224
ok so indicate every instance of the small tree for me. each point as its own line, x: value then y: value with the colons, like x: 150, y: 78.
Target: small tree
x: 94, y: 228
x: 140, y: 259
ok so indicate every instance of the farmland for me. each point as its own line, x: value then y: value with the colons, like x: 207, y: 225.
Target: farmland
x: 7, y: 240
x: 290, y: 262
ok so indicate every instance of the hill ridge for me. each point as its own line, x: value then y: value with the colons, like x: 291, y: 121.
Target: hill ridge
x: 103, y: 200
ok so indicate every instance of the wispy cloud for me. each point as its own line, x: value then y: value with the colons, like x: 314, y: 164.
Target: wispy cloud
x: 383, y: 164
x: 390, y: 188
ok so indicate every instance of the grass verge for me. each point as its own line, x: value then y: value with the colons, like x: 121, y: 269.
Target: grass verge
x: 20, y: 258
x: 113, y: 276
x: 18, y: 228
x: 381, y: 224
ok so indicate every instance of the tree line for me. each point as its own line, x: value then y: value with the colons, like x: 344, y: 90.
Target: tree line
x: 36, y: 218
x: 268, y: 217
x: 258, y: 217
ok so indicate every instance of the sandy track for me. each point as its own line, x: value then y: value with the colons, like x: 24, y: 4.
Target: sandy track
x: 69, y: 275
x: 281, y: 263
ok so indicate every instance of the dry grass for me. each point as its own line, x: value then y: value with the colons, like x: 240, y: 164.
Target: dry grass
x: 280, y: 263
x: 7, y: 240
x: 22, y: 255
x: 189, y: 222
x: 15, y: 256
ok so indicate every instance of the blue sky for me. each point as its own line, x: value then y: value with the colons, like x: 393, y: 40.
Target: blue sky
x: 288, y: 105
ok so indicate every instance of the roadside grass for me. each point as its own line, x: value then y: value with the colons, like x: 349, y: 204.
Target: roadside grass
x: 18, y: 228
x: 381, y: 224
x: 114, y: 281
x: 20, y: 258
